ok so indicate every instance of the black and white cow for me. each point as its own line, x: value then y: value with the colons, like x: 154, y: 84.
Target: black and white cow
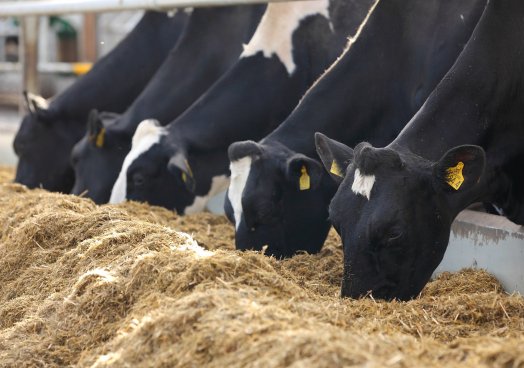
x: 180, y: 167
x: 395, y: 205
x: 210, y: 45
x: 279, y: 195
x: 49, y: 131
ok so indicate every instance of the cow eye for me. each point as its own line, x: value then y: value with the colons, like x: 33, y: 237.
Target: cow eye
x: 393, y: 238
x: 138, y: 180
x: 385, y: 238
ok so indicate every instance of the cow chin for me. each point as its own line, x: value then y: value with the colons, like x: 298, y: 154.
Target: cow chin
x: 55, y: 181
x: 279, y: 240
x: 26, y: 174
x: 404, y: 283
x: 266, y: 238
x: 357, y: 284
x: 383, y: 290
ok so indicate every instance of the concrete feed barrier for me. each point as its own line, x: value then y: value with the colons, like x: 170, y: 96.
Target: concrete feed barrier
x: 489, y: 242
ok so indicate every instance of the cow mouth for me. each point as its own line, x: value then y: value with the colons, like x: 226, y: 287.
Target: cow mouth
x: 384, y: 293
x: 385, y: 290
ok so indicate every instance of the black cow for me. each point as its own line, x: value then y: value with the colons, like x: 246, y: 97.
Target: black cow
x: 395, y: 205
x: 182, y: 166
x: 211, y: 43
x: 279, y: 195
x: 49, y: 131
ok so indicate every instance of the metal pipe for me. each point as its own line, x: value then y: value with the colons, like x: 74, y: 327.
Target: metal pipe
x: 29, y: 57
x: 72, y: 68
x: 25, y: 7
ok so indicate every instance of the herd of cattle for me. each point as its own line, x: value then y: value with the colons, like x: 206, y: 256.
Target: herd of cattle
x: 244, y: 98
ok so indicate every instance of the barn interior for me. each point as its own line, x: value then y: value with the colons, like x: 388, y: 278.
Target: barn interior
x: 131, y: 284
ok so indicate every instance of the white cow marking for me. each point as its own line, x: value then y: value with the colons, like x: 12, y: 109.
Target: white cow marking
x: 273, y: 35
x: 239, y: 173
x: 41, y: 102
x: 147, y: 134
x: 363, y: 184
x: 499, y: 210
x: 218, y: 184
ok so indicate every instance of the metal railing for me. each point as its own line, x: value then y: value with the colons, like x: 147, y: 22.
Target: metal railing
x: 49, y: 67
x: 26, y: 7
x: 29, y: 10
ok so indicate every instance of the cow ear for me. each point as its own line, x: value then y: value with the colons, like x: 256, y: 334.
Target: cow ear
x: 460, y: 168
x: 239, y: 150
x: 96, y: 132
x: 37, y: 106
x: 334, y: 155
x: 178, y: 165
x: 303, y: 172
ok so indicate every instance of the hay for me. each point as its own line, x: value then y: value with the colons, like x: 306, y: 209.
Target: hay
x: 7, y: 174
x: 103, y: 286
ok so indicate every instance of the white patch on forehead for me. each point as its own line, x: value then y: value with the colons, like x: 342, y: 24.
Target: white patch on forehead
x: 218, y: 184
x: 275, y: 31
x: 239, y: 173
x: 363, y: 184
x: 147, y: 134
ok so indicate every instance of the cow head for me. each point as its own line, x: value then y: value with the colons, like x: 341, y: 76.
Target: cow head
x: 161, y: 172
x: 394, y: 210
x: 43, y: 144
x: 98, y: 156
x: 277, y: 198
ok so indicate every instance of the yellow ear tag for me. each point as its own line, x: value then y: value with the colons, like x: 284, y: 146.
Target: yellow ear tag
x: 335, y: 169
x: 184, y: 177
x: 305, y: 181
x: 99, y: 142
x: 81, y: 68
x: 454, y: 176
x: 189, y: 169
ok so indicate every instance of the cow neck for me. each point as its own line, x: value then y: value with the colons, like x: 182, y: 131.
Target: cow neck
x: 480, y: 100
x: 230, y: 111
x: 201, y: 48
x: 219, y: 118
x: 117, y: 78
x: 362, y: 89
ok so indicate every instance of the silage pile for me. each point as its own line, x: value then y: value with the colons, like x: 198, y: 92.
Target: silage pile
x: 7, y: 173
x: 101, y: 286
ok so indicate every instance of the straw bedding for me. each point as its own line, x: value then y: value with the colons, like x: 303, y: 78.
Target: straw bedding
x: 102, y: 286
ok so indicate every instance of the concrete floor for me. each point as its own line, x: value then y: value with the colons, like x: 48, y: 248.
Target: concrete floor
x: 7, y: 156
x: 9, y: 121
